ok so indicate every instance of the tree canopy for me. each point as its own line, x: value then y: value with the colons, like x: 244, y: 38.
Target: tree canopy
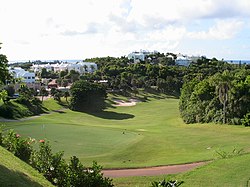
x: 87, y: 96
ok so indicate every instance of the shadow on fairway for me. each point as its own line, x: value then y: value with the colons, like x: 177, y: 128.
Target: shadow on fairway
x: 111, y: 115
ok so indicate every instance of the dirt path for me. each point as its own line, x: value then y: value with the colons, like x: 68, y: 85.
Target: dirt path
x: 152, y: 170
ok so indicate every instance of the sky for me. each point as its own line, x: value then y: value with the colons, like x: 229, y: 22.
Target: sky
x: 80, y: 29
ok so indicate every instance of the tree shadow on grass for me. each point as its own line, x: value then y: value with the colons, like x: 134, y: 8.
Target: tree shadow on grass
x: 14, y: 178
x: 111, y: 115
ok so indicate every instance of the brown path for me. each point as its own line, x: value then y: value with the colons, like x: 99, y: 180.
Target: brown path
x: 114, y: 173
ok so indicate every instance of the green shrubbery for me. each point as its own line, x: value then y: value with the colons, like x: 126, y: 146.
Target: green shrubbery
x: 221, y: 98
x: 53, y: 167
x: 167, y: 183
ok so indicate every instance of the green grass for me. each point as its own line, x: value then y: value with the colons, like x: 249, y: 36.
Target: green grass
x: 148, y: 134
x: 222, y: 172
x: 14, y: 172
x: 50, y: 104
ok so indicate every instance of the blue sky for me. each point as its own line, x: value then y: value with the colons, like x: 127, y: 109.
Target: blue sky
x: 79, y: 29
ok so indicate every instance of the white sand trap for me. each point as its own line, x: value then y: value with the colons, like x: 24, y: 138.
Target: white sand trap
x: 131, y: 102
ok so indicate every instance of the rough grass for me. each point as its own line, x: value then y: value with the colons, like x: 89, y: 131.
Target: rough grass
x: 14, y: 172
x: 148, y: 134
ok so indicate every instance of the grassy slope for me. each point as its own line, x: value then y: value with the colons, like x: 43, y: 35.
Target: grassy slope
x: 223, y: 172
x: 14, y: 172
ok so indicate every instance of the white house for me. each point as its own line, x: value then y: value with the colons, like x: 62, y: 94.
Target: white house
x: 183, y: 61
x: 140, y: 56
x: 81, y: 67
x: 136, y: 56
x: 25, y: 76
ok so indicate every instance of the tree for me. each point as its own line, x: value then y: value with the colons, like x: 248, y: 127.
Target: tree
x: 62, y: 74
x: 223, y: 84
x: 65, y: 83
x: 66, y: 95
x: 43, y: 92
x: 4, y: 73
x: 87, y: 96
x: 73, y: 76
x: 3, y: 95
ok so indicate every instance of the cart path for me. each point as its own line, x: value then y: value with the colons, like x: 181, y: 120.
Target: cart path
x: 151, y: 171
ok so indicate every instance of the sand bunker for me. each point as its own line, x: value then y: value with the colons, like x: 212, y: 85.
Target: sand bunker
x: 130, y: 102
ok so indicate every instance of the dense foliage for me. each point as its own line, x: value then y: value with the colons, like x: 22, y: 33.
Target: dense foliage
x: 87, y: 96
x: 222, y: 98
x: 167, y: 183
x: 124, y: 75
x: 4, y: 73
x: 53, y: 167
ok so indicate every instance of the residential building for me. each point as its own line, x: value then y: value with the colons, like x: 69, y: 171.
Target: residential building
x: 24, y: 76
x: 81, y: 67
x: 140, y: 56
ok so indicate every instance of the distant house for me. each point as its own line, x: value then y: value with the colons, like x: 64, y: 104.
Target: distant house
x: 81, y: 67
x: 24, y: 76
x: 140, y: 56
x: 183, y: 60
x: 136, y: 56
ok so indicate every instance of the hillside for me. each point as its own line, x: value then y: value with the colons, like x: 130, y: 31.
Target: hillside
x: 14, y: 172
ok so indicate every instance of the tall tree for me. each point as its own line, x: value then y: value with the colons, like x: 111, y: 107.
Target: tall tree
x: 223, y: 84
x: 4, y: 73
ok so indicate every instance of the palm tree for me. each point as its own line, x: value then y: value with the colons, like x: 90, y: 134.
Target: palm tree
x: 43, y: 92
x: 223, y: 84
x: 66, y: 95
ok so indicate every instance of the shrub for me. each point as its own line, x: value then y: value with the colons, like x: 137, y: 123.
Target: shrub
x: 246, y: 120
x: 52, y: 166
x: 87, y: 177
x: 167, y: 183
x: 58, y: 172
x: 19, y: 146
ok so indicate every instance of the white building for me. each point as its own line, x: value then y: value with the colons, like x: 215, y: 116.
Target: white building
x: 24, y: 76
x: 81, y: 67
x: 140, y: 56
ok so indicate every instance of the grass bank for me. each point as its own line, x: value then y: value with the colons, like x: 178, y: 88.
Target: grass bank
x: 14, y: 172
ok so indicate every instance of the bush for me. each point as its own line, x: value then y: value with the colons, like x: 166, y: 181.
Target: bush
x: 58, y: 172
x: 167, y: 183
x: 246, y: 120
x: 87, y: 177
x: 19, y: 146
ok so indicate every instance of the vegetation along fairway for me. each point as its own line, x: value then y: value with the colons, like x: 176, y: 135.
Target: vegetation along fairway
x: 148, y: 134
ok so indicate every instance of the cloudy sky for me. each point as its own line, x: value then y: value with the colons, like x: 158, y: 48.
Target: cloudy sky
x: 79, y: 29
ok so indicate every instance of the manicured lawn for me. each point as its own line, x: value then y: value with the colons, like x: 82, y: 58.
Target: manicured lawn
x: 148, y: 134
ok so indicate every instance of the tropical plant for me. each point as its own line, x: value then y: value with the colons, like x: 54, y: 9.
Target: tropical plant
x: 167, y: 183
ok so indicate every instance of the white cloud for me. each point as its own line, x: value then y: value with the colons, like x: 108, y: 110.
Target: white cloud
x: 222, y: 30
x: 85, y: 28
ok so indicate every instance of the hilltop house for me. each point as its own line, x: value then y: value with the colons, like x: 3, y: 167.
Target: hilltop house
x: 140, y: 56
x: 81, y: 67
